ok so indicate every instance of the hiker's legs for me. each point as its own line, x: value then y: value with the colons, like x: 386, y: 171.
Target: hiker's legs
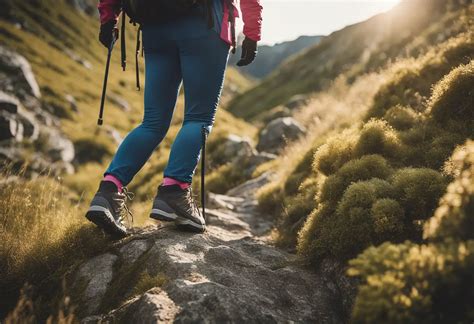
x: 203, y: 64
x: 163, y: 78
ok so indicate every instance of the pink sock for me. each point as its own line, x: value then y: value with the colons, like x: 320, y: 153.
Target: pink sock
x: 170, y: 182
x: 116, y: 181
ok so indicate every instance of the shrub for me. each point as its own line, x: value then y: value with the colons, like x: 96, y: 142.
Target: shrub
x: 335, y: 153
x: 428, y: 283
x: 388, y: 218
x: 409, y: 283
x: 452, y: 101
x: 377, y: 137
x: 401, y: 118
x: 455, y: 216
x: 270, y: 199
x: 419, y: 191
x: 92, y: 149
x: 347, y: 230
x: 364, y: 168
x: 298, y: 208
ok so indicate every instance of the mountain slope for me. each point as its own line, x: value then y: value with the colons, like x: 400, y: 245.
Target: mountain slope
x: 406, y: 30
x: 270, y: 57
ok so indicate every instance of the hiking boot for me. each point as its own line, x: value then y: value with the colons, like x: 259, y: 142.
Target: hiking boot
x: 108, y: 209
x: 175, y: 204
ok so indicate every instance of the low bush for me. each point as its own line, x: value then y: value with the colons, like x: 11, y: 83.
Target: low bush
x: 428, y: 283
x: 364, y: 168
x: 419, y: 191
x: 412, y: 283
x: 377, y: 137
x: 455, y: 216
x: 335, y: 153
x: 452, y: 102
x: 401, y: 118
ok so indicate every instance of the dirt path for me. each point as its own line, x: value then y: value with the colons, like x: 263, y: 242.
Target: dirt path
x: 229, y: 274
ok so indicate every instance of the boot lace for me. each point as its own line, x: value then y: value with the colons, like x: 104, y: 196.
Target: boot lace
x: 191, y: 202
x: 123, y: 209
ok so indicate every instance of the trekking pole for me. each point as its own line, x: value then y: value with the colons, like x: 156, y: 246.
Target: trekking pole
x: 100, y: 121
x: 203, y: 172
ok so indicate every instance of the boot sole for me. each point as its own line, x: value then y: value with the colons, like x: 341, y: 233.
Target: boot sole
x: 163, y: 216
x: 181, y: 222
x: 189, y: 226
x: 102, y: 217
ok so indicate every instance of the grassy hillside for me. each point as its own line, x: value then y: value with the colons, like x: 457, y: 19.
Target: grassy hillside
x: 408, y: 30
x: 377, y: 173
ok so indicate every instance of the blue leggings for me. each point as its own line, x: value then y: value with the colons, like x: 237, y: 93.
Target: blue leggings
x: 183, y: 50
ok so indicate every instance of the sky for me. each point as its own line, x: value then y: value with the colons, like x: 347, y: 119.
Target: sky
x: 287, y: 19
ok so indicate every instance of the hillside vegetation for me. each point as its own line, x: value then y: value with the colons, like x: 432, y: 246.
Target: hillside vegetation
x: 406, y: 31
x: 379, y: 178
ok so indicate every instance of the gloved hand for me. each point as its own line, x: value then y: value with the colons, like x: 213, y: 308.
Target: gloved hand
x: 108, y: 32
x: 249, y: 52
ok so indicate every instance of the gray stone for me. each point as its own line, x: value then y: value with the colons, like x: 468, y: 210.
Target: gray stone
x: 59, y: 148
x: 276, y: 134
x: 72, y: 101
x: 236, y: 146
x: 20, y: 74
x: 119, y: 102
x: 133, y: 250
x: 77, y: 58
x: 154, y: 306
x: 96, y: 274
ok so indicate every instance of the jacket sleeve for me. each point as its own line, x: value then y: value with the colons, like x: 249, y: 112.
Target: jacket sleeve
x: 108, y: 10
x: 252, y: 17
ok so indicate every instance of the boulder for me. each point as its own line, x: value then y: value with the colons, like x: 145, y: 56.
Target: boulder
x: 15, y: 122
x: 96, y: 275
x: 236, y: 146
x: 58, y: 147
x: 275, y: 135
x: 16, y: 75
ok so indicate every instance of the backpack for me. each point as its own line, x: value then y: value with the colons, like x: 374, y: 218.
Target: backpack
x: 141, y: 11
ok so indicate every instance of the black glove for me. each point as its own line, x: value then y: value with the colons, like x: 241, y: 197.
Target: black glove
x: 249, y: 52
x: 108, y: 33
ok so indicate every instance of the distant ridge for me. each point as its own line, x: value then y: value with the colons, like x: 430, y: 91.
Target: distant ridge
x: 270, y: 57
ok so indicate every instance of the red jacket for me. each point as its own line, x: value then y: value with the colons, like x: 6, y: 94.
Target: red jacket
x: 251, y: 14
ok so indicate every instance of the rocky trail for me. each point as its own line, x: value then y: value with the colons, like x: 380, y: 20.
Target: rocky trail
x: 230, y: 274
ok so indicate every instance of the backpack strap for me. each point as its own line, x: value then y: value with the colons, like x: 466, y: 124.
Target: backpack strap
x: 210, y: 13
x: 137, y: 53
x: 230, y: 6
x: 123, y: 48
